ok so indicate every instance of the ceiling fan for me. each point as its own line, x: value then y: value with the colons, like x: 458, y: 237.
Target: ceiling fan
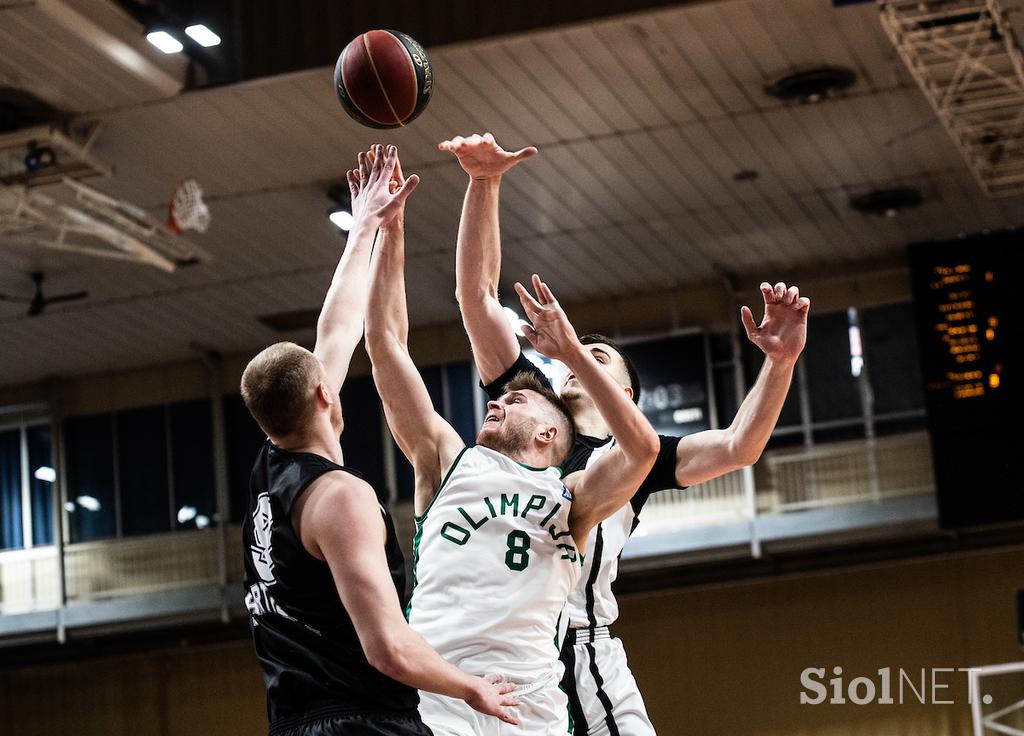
x: 37, y: 302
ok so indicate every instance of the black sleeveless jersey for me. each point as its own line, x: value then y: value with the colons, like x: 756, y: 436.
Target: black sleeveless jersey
x: 312, y: 662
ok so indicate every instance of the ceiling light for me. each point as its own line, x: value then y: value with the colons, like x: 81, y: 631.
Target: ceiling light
x: 342, y: 219
x: 812, y: 85
x: 514, y: 320
x: 887, y: 202
x: 89, y: 503
x: 186, y: 514
x: 165, y: 42
x: 203, y: 35
x: 202, y: 521
x: 47, y: 474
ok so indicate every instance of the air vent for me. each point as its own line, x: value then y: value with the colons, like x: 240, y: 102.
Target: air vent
x: 887, y: 202
x: 300, y: 319
x: 812, y: 85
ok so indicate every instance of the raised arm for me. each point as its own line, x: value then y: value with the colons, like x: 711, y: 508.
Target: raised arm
x: 611, y: 481
x: 781, y: 337
x: 339, y: 521
x: 478, y: 252
x: 425, y: 438
x: 340, y: 326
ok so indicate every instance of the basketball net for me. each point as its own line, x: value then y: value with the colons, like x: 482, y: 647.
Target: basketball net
x: 187, y: 210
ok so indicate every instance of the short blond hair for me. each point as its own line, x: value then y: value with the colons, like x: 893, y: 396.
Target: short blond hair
x: 279, y: 387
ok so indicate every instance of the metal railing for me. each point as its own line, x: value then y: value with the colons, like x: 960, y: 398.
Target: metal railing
x: 786, y: 481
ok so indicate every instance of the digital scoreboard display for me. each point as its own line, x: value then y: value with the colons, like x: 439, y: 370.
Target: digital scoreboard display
x: 966, y: 294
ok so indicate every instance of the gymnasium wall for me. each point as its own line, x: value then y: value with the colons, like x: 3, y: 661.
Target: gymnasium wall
x: 708, y: 306
x: 714, y: 661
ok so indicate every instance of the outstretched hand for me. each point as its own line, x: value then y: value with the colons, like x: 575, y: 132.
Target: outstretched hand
x: 481, y: 157
x: 494, y: 698
x: 551, y: 334
x: 377, y: 187
x: 783, y: 330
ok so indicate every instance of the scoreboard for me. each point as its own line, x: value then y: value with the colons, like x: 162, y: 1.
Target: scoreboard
x: 969, y: 331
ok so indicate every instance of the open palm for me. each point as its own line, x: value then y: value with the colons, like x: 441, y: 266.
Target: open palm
x: 782, y: 333
x: 481, y: 157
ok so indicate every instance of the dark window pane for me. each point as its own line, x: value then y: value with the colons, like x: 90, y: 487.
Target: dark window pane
x: 830, y: 383
x: 10, y: 490
x: 721, y: 346
x: 885, y: 427
x: 41, y: 478
x: 89, y: 452
x: 142, y: 462
x: 244, y: 439
x: 461, y: 395
x: 726, y: 403
x: 753, y: 359
x: 195, y: 497
x: 890, y: 354
x: 839, y: 434
x: 361, y: 440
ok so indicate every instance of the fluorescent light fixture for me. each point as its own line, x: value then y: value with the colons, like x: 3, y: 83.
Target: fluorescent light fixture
x: 89, y: 503
x: 203, y: 35
x: 46, y: 474
x: 342, y: 219
x: 165, y: 42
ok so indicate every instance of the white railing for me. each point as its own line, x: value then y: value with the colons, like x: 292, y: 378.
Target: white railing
x: 786, y: 481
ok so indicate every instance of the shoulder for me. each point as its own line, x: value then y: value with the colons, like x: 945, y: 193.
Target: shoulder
x: 333, y: 493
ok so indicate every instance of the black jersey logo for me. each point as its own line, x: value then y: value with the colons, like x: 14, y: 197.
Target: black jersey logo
x: 262, y: 525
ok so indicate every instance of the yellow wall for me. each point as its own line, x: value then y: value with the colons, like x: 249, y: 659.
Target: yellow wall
x: 720, y: 660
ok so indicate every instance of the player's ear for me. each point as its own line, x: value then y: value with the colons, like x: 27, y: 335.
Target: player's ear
x: 629, y: 391
x: 324, y: 394
x: 547, y: 433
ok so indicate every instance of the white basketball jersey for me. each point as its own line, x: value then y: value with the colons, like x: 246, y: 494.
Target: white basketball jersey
x: 591, y: 602
x: 494, y: 562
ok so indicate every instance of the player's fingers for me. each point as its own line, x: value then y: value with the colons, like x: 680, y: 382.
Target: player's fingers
x: 378, y: 161
x: 531, y: 336
x: 767, y: 292
x: 488, y: 137
x: 505, y: 687
x: 780, y: 291
x: 507, y: 717
x: 402, y: 194
x: 792, y: 294
x: 524, y: 153
x: 526, y: 298
x: 353, y: 184
x: 364, y: 168
x: 538, y: 288
x: 805, y: 304
x: 546, y: 293
x: 747, y: 318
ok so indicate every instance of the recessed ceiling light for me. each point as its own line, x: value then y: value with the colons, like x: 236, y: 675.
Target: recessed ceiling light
x: 165, y: 42
x: 203, y: 35
x: 887, y: 202
x: 812, y: 85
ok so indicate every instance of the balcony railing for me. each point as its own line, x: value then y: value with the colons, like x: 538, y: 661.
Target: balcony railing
x: 787, y: 481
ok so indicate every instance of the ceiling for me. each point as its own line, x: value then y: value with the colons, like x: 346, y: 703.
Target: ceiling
x: 641, y: 121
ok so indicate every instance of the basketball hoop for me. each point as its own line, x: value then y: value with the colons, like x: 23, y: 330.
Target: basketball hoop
x: 187, y: 210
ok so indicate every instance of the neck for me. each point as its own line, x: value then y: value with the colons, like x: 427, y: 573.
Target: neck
x: 322, y: 443
x: 533, y: 457
x: 588, y: 419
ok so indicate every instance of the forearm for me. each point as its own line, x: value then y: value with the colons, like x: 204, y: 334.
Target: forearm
x: 477, y: 270
x: 410, y: 660
x: 345, y: 302
x: 632, y: 432
x: 758, y: 414
x: 387, y: 318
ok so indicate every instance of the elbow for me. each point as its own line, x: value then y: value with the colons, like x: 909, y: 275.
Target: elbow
x: 387, y: 658
x: 471, y: 296
x: 743, y: 454
x: 647, y: 446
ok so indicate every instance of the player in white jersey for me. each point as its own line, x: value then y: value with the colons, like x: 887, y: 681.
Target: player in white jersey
x: 601, y: 688
x: 497, y: 540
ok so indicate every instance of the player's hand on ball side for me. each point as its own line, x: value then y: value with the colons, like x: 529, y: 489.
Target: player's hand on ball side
x: 377, y: 198
x: 782, y: 334
x: 551, y: 334
x: 494, y: 697
x: 481, y: 157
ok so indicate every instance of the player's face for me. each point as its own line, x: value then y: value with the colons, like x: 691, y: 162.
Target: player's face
x: 610, y: 361
x: 511, y: 421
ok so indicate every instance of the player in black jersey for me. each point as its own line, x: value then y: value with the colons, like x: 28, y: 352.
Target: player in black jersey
x: 323, y: 571
x: 602, y: 691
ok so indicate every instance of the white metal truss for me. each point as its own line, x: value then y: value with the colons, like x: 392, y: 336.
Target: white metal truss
x: 995, y: 722
x: 94, y: 224
x: 70, y: 151
x: 969, y: 64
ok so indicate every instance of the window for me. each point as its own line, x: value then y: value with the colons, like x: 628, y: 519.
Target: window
x: 244, y: 439
x: 89, y: 452
x: 361, y: 440
x: 195, y: 496
x: 142, y: 471
x: 41, y: 477
x: 11, y: 530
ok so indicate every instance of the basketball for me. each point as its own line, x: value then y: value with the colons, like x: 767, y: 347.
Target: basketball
x: 383, y: 79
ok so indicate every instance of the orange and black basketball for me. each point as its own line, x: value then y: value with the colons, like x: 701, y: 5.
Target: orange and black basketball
x: 384, y: 79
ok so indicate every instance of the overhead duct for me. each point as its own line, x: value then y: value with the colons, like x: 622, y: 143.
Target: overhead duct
x: 967, y: 59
